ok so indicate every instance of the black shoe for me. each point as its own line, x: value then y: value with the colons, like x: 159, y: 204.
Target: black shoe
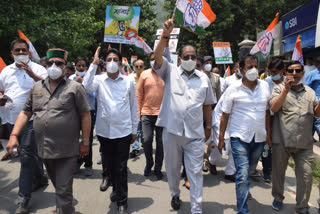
x: 230, y: 177
x: 175, y: 202
x: 205, y: 166
x: 213, y: 169
x: 123, y: 209
x: 113, y: 196
x: 158, y: 174
x: 147, y: 172
x: 105, y: 184
x: 134, y: 153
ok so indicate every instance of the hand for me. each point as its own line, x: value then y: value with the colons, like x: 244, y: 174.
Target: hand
x: 134, y: 137
x: 96, y: 56
x: 269, y: 141
x: 28, y: 70
x: 207, y: 133
x: 168, y: 26
x: 79, y: 79
x: 13, y: 143
x: 221, y: 145
x: 288, y: 82
x: 84, y: 150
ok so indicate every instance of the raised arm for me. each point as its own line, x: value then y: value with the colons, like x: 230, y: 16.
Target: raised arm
x: 89, y: 80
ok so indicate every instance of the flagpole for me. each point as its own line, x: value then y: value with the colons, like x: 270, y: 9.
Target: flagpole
x: 120, y: 47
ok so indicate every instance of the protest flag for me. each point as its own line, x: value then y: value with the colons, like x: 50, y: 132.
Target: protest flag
x: 142, y: 46
x: 227, y: 73
x: 194, y: 15
x: 264, y: 45
x: 32, y: 50
x: 297, y: 52
x: 2, y: 64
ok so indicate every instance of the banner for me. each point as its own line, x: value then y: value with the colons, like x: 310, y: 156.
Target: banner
x: 173, y: 42
x: 122, y: 24
x: 222, y: 52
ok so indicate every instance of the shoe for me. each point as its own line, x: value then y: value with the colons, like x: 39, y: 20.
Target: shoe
x: 267, y: 179
x: 186, y: 183
x: 99, y: 161
x: 123, y: 209
x: 147, y: 172
x: 231, y: 178
x: 256, y: 174
x: 113, y: 196
x: 42, y: 183
x: 22, y: 209
x: 250, y: 196
x: 105, y: 184
x: 213, y: 169
x: 88, y: 171
x: 205, y: 167
x: 134, y: 153
x: 175, y: 202
x: 158, y: 174
x: 277, y: 205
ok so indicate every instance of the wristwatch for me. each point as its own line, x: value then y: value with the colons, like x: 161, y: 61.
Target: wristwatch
x: 86, y: 143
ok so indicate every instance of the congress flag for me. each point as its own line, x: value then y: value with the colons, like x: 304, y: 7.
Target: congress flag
x: 227, y: 73
x: 297, y: 52
x: 34, y: 55
x: 264, y: 44
x: 142, y: 46
x: 194, y: 15
x: 2, y: 64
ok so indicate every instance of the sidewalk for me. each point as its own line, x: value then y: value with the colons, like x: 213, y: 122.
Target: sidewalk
x: 146, y: 195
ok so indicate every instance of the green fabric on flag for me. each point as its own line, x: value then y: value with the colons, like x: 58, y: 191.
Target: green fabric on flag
x: 179, y: 17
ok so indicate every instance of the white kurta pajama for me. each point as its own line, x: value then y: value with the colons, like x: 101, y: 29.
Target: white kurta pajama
x: 181, y: 115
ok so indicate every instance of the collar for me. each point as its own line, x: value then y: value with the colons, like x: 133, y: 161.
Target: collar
x: 46, y: 81
x: 120, y: 76
x: 195, y: 72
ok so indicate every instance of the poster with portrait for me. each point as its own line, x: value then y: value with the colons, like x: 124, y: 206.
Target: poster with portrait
x: 122, y: 24
x: 173, y: 42
x: 222, y: 52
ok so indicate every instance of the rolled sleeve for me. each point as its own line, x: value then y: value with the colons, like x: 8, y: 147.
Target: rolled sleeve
x: 163, y: 70
x: 90, y: 81
x: 227, y: 103
x: 81, y: 99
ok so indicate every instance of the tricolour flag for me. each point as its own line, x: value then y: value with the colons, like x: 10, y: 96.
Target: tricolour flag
x: 227, y: 73
x: 264, y: 44
x: 297, y: 52
x: 194, y: 15
x: 142, y: 46
x: 32, y: 50
x: 2, y: 64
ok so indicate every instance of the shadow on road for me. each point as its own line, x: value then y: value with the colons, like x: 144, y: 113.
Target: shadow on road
x: 134, y: 205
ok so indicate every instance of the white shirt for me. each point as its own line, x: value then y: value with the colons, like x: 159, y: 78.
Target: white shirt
x: 231, y: 80
x: 117, y: 109
x: 181, y: 111
x: 247, y: 111
x: 16, y: 84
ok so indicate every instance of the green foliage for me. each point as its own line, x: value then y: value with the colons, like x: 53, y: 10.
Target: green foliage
x: 74, y: 25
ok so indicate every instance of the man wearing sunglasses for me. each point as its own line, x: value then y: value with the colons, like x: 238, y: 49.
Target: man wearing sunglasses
x: 60, y: 110
x: 186, y: 105
x: 16, y: 80
x: 294, y: 106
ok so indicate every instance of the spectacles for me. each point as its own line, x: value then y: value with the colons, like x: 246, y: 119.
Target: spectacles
x: 58, y: 63
x: 138, y: 66
x: 298, y: 70
x: 112, y: 59
x: 187, y: 57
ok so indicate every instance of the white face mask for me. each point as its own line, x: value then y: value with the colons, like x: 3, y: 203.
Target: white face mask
x: 152, y: 63
x: 207, y: 67
x: 112, y: 67
x: 252, y: 74
x: 54, y: 72
x: 21, y: 58
x: 188, y: 65
x: 81, y: 74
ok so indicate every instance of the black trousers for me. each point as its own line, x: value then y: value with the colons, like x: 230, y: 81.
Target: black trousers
x: 148, y: 127
x: 115, y: 154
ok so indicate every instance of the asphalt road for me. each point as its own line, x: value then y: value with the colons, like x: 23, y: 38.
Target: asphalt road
x: 146, y: 195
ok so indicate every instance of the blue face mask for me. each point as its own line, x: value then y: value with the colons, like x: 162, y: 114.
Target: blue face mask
x: 276, y: 77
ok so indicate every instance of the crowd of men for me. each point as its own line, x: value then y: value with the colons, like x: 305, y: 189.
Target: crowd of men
x: 195, y: 114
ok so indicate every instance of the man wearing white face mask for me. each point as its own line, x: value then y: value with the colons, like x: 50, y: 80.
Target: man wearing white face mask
x: 186, y: 105
x: 60, y: 109
x: 116, y: 123
x: 245, y: 107
x: 16, y: 80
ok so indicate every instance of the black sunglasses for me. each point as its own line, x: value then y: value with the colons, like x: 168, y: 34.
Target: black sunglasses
x: 58, y: 63
x: 187, y: 57
x: 292, y: 70
x: 138, y: 66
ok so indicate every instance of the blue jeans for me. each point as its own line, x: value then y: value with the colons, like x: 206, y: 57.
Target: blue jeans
x: 245, y: 156
x: 316, y: 125
x: 31, y: 169
x: 135, y: 145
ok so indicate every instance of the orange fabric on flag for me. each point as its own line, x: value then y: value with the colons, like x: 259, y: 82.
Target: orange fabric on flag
x: 109, y: 47
x: 298, y: 44
x: 22, y: 36
x: 207, y: 12
x: 2, y: 64
x: 228, y: 72
x: 273, y: 23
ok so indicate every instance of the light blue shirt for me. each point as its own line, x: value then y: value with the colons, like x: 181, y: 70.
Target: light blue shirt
x: 312, y: 80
